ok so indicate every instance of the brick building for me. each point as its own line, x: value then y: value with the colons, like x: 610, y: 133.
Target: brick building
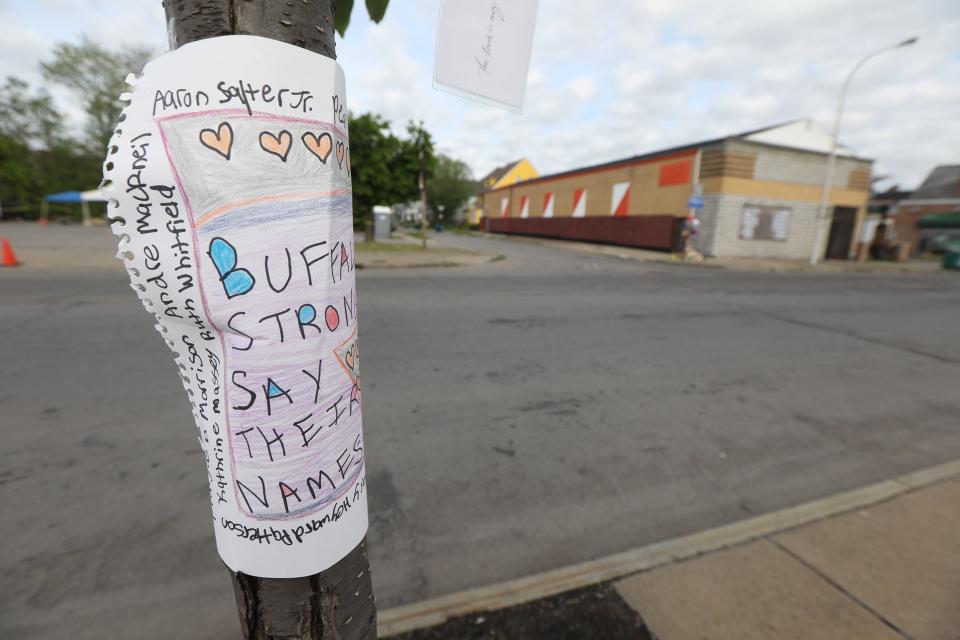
x: 760, y: 190
x: 939, y: 194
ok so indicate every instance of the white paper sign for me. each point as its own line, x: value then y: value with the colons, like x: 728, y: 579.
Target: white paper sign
x: 231, y: 173
x: 483, y: 50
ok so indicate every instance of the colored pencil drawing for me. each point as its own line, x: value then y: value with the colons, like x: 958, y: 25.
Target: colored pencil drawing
x: 272, y: 247
x: 236, y: 230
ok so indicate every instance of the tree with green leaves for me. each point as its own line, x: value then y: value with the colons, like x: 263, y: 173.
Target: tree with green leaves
x: 376, y: 9
x: 375, y: 156
x: 28, y: 121
x: 420, y: 154
x: 385, y: 168
x: 451, y: 186
x: 26, y: 115
x: 37, y: 155
x: 95, y: 76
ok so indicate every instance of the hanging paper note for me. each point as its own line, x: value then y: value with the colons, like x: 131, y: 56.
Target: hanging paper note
x: 483, y: 50
x: 230, y: 179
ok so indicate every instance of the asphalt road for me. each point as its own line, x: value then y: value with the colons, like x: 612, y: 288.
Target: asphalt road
x: 519, y: 416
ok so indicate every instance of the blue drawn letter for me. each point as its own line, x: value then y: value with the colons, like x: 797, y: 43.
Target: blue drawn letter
x: 236, y: 281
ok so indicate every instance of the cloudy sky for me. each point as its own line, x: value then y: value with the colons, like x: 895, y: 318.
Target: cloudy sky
x: 613, y: 79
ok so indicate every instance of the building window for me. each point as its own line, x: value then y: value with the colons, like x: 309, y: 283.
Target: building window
x: 760, y: 222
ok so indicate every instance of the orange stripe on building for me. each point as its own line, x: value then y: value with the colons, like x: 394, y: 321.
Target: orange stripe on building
x: 548, y: 205
x: 620, y: 206
x: 578, y: 195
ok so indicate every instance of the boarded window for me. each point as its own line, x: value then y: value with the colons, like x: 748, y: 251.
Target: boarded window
x: 760, y: 222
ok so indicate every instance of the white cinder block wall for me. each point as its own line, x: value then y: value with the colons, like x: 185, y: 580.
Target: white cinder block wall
x: 726, y: 236
x: 704, y: 240
x: 721, y: 216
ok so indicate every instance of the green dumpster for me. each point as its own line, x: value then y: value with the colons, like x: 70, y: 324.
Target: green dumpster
x: 951, y: 256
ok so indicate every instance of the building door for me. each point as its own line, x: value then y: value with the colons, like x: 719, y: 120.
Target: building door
x: 841, y: 233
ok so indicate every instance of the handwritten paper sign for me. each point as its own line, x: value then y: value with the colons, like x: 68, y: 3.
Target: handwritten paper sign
x: 483, y: 50
x: 230, y: 176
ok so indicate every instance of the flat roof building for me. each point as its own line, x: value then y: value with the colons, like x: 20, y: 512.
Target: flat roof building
x: 760, y: 191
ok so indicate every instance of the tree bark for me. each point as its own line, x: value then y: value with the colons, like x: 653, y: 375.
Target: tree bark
x: 304, y: 23
x: 336, y: 604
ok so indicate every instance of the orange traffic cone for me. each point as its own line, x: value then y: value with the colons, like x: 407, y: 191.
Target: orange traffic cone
x: 8, y: 259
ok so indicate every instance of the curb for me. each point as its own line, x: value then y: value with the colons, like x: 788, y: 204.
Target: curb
x: 610, y: 250
x: 513, y: 592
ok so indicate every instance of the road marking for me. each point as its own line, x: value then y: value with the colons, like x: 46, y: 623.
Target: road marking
x: 513, y: 592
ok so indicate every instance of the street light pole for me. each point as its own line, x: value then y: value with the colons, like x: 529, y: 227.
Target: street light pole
x: 832, y: 158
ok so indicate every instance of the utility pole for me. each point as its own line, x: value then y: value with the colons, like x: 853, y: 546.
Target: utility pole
x: 423, y: 193
x: 336, y: 604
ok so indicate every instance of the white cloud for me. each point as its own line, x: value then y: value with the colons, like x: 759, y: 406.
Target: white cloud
x: 20, y: 51
x: 394, y: 88
x: 583, y: 88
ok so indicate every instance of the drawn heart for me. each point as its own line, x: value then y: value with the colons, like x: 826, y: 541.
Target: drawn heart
x: 348, y: 358
x: 276, y: 145
x: 319, y: 146
x: 340, y: 152
x: 220, y: 140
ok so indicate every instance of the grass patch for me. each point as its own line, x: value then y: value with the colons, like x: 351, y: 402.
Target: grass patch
x: 462, y: 231
x: 395, y: 247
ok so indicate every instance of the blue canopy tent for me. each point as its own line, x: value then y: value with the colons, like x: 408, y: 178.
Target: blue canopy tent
x: 66, y: 197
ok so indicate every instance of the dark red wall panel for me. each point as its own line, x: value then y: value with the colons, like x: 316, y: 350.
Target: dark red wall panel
x: 648, y: 232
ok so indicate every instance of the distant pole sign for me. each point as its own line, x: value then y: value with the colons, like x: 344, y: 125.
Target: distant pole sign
x: 695, y: 202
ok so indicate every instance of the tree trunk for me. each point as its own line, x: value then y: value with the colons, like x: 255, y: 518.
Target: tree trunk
x: 304, y: 23
x: 336, y: 604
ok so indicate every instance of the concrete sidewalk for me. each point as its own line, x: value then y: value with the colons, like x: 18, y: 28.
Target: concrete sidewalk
x: 891, y: 570
x: 826, y: 266
x: 403, y: 250
x: 879, y: 562
x: 733, y: 264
